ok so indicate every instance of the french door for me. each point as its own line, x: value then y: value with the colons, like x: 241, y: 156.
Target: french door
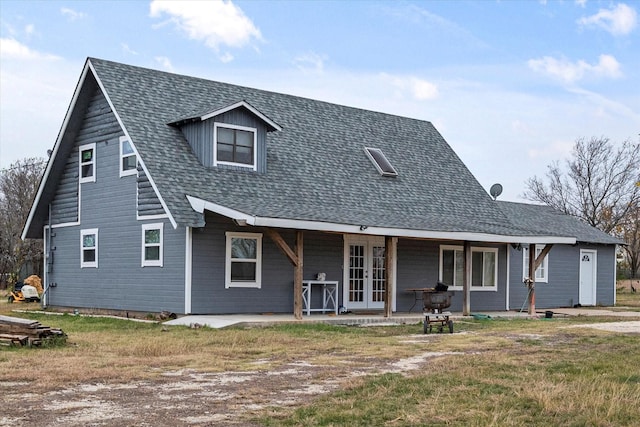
x: 365, y: 278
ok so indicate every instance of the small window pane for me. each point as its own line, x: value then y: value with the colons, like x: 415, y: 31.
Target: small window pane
x: 489, y: 269
x: 89, y: 255
x: 448, y: 267
x: 87, y: 170
x: 225, y: 135
x: 152, y: 253
x: 244, y: 155
x: 243, y: 271
x: 243, y: 248
x: 225, y: 153
x: 87, y: 155
x: 244, y: 138
x: 89, y: 241
x: 152, y: 236
x: 476, y: 269
x: 128, y: 163
x: 126, y: 148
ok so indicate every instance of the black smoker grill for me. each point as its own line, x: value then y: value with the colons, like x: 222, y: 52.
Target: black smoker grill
x: 435, y: 300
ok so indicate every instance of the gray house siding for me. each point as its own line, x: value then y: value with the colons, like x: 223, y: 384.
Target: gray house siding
x: 109, y: 204
x: 200, y: 136
x: 99, y: 125
x: 562, y: 288
x: 418, y: 266
x: 148, y: 201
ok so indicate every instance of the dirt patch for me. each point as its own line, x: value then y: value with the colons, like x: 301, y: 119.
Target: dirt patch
x: 631, y: 327
x: 188, y: 397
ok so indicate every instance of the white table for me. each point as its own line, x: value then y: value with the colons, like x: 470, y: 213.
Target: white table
x: 329, y: 295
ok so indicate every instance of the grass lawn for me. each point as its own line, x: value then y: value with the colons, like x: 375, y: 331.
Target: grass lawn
x: 492, y: 372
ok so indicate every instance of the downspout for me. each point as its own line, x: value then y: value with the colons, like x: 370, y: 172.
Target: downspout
x: 48, y: 253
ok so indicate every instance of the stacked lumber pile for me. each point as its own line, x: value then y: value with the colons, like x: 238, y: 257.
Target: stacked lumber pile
x: 25, y: 332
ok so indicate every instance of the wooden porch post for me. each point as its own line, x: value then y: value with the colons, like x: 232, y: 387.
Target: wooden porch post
x: 390, y: 244
x: 466, y: 283
x: 297, y: 259
x: 297, y: 277
x: 531, y: 280
x: 534, y: 263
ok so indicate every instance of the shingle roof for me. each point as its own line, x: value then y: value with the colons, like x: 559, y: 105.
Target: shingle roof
x: 545, y: 219
x: 317, y: 169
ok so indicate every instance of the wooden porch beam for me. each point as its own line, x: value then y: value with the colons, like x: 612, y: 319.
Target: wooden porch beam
x: 390, y: 244
x: 466, y: 282
x: 284, y: 247
x: 297, y: 277
x: 541, y: 256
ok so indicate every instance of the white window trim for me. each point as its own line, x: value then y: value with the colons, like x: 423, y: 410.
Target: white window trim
x: 86, y: 232
x: 82, y: 148
x: 544, y: 265
x: 129, y: 172
x: 158, y: 262
x: 493, y: 288
x: 227, y: 279
x: 253, y: 166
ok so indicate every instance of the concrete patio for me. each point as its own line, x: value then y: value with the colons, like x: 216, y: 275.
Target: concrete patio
x: 268, y: 319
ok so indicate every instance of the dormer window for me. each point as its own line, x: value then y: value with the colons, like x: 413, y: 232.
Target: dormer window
x: 235, y: 145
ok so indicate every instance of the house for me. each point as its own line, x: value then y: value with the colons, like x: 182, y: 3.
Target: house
x: 172, y: 193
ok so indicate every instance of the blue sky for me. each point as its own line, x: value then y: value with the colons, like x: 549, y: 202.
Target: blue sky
x: 510, y: 84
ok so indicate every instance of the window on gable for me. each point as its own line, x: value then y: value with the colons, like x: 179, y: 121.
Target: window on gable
x: 243, y: 267
x: 484, y: 267
x: 542, y: 271
x: 128, y: 160
x: 235, y: 145
x: 89, y: 248
x: 380, y: 161
x: 87, y: 162
x: 152, y: 245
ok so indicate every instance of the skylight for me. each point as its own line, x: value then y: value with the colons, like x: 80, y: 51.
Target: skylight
x: 380, y: 161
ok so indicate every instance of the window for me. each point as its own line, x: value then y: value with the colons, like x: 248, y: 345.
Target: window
x: 152, y: 245
x: 542, y: 271
x: 380, y: 161
x: 128, y: 160
x: 235, y: 145
x: 243, y: 267
x: 87, y: 162
x: 484, y: 267
x: 89, y: 248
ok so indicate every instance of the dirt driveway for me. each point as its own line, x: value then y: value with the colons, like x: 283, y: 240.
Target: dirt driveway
x: 188, y: 397
x: 192, y: 398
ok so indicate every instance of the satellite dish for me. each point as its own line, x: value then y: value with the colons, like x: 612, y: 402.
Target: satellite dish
x: 495, y: 191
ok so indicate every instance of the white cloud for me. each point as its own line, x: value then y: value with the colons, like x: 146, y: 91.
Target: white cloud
x: 310, y: 61
x: 215, y: 23
x: 29, y: 29
x: 126, y: 49
x: 13, y: 49
x: 71, y: 14
x: 164, y: 63
x: 571, y: 72
x: 418, y: 89
x: 226, y: 57
x: 619, y: 21
x: 581, y: 3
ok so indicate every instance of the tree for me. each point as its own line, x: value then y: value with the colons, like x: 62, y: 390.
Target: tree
x: 18, y: 187
x: 630, y: 233
x: 600, y: 185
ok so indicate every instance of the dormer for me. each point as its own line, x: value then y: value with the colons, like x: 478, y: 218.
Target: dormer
x: 230, y: 137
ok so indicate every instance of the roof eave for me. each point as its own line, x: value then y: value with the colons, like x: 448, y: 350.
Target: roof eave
x: 200, y: 205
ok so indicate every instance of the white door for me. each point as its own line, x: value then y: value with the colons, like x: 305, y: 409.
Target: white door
x: 587, y: 277
x: 364, y: 273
